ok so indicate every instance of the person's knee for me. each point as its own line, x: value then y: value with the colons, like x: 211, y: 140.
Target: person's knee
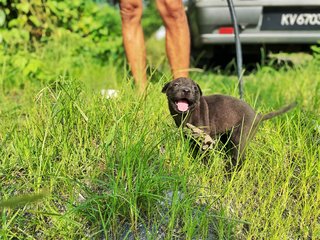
x: 131, y: 11
x: 171, y: 9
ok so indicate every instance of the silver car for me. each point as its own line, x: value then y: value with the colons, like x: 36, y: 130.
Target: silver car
x: 280, y: 23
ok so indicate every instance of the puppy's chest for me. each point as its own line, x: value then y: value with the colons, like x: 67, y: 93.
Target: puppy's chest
x: 209, y: 120
x: 200, y: 117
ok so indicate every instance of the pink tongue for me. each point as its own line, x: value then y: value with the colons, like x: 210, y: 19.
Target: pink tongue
x: 182, y: 105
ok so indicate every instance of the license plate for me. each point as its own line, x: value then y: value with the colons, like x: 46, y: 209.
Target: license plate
x: 291, y: 19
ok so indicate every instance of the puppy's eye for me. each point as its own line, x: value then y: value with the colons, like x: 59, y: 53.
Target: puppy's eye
x: 175, y: 84
x: 195, y: 88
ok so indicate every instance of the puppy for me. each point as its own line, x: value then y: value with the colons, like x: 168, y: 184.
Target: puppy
x: 217, y: 115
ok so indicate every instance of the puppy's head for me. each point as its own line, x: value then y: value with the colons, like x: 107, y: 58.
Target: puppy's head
x: 183, y: 94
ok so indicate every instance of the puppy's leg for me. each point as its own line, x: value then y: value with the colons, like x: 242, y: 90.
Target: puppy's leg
x: 240, y: 138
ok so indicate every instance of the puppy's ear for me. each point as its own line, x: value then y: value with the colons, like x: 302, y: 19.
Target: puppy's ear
x: 165, y: 87
x: 200, y: 91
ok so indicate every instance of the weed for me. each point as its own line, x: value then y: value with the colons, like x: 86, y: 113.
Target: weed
x: 119, y: 169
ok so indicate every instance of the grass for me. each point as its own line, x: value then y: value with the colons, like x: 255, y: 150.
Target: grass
x: 119, y: 168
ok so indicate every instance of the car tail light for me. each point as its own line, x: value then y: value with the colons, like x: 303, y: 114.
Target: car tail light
x: 226, y: 30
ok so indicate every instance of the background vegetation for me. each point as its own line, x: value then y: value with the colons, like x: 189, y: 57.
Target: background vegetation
x: 118, y: 168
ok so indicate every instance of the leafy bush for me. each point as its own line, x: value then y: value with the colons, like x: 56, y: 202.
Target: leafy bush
x: 97, y: 25
x: 316, y: 51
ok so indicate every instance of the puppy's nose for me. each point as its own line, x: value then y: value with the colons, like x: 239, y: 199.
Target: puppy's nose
x: 186, y: 90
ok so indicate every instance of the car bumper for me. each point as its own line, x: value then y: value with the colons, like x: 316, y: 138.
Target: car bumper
x: 263, y: 38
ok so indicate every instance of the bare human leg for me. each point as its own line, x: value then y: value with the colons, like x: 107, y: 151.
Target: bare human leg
x: 177, y: 36
x: 133, y: 40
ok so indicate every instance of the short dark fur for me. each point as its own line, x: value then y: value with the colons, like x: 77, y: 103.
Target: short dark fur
x: 216, y: 114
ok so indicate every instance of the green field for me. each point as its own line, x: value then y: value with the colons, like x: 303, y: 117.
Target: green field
x: 119, y: 168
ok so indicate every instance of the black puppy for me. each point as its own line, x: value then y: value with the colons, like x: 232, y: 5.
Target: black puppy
x: 216, y: 115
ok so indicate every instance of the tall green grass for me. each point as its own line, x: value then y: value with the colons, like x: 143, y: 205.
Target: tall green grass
x: 119, y: 168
